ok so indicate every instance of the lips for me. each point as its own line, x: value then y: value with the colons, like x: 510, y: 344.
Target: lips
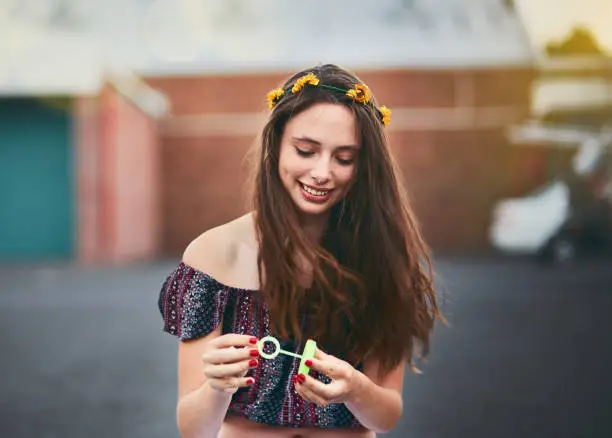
x: 316, y: 195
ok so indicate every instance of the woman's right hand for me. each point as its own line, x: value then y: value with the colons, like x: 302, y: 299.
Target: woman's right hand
x: 227, y: 359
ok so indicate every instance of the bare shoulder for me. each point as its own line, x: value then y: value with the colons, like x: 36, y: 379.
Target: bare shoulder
x: 225, y: 252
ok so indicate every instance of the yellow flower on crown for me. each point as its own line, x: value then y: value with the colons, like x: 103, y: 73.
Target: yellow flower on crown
x: 360, y: 93
x: 386, y: 115
x: 310, y: 78
x: 274, y: 96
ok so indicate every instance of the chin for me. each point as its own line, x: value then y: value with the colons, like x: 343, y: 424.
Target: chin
x: 311, y: 209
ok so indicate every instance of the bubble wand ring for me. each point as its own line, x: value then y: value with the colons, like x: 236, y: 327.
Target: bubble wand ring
x: 309, y: 352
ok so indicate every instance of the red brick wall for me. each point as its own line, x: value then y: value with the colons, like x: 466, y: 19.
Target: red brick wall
x: 204, y: 185
x: 118, y: 179
x: 86, y: 131
x: 447, y: 132
x: 137, y: 176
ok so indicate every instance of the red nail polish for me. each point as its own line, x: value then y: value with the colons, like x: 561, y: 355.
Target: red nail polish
x: 294, y: 378
x: 250, y: 381
x: 253, y: 363
x: 253, y: 340
x: 308, y: 363
x: 254, y: 353
x: 301, y: 378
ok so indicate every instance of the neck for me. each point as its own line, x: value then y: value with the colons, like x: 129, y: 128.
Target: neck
x: 314, y: 226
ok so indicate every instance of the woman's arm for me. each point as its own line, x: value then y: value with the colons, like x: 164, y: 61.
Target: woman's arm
x: 375, y: 402
x: 200, y: 413
x: 200, y: 408
x: 210, y: 370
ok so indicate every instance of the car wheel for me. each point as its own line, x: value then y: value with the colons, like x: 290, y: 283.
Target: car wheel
x: 561, y: 250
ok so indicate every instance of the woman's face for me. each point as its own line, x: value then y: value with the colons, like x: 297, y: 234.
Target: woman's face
x: 317, y: 157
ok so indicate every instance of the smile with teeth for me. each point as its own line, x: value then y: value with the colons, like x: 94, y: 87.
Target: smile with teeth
x: 315, y: 192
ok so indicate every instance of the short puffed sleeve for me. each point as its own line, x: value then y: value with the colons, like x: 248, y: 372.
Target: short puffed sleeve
x: 192, y: 303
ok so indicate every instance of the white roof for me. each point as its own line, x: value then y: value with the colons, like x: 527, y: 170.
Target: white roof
x: 233, y: 35
x: 70, y: 53
x: 52, y: 62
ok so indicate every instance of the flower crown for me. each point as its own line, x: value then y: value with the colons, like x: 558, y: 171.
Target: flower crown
x: 359, y: 93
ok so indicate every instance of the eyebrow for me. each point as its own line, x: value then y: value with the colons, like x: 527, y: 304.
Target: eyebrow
x: 318, y: 143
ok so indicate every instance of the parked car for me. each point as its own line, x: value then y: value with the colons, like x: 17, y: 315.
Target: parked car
x: 566, y: 217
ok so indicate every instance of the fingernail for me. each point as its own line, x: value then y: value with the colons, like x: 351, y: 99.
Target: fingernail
x: 250, y: 381
x: 253, y: 363
x: 308, y: 363
x: 254, y: 353
x: 301, y: 378
x: 253, y: 340
x: 295, y: 379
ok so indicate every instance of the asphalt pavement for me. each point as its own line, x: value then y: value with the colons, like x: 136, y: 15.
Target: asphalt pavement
x: 527, y: 353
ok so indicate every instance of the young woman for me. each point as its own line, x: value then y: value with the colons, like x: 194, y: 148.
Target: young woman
x: 332, y: 252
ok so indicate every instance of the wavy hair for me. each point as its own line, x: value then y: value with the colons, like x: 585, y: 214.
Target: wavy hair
x: 372, y: 295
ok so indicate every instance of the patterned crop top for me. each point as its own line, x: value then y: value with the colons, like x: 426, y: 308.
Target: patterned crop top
x: 193, y: 304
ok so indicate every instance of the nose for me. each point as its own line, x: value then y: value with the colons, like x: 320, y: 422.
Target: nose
x: 321, y: 172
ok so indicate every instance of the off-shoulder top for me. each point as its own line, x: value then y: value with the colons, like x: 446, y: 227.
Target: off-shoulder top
x: 192, y: 304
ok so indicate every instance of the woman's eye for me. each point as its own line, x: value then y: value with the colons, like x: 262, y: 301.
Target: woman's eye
x: 304, y: 153
x: 345, y: 161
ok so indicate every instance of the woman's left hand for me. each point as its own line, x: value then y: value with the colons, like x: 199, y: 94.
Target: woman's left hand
x: 344, y: 380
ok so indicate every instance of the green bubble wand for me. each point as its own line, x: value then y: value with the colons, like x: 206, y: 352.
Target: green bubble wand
x: 309, y: 352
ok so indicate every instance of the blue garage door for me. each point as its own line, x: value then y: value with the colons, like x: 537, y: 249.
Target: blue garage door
x: 36, y: 180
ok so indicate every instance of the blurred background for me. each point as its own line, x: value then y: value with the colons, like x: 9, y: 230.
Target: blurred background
x: 123, y: 131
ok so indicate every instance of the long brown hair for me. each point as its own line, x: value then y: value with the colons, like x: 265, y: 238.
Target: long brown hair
x: 372, y: 295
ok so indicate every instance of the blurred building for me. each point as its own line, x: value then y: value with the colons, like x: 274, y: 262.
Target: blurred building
x: 78, y: 152
x: 135, y: 181
x: 572, y: 96
x: 455, y: 73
